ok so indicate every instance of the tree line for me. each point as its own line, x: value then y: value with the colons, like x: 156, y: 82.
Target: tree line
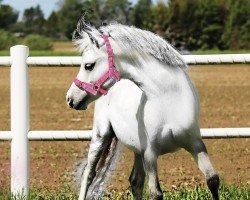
x: 187, y: 24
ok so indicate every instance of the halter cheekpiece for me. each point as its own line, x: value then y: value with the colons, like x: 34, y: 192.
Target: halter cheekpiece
x: 112, y: 73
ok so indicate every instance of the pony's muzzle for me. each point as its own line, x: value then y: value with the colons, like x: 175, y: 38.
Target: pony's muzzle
x: 74, y: 104
x: 71, y: 104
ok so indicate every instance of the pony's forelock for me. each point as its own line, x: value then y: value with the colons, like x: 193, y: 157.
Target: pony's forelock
x: 81, y: 36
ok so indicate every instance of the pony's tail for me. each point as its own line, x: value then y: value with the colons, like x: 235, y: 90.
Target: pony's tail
x: 104, y: 169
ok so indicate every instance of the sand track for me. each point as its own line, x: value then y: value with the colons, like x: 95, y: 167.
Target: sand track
x: 225, y: 102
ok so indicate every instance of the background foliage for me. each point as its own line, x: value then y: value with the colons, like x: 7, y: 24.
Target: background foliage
x: 187, y: 24
x: 38, y: 42
x: 7, y: 39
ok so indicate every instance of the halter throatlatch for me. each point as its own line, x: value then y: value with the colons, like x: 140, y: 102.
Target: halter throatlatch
x: 112, y: 73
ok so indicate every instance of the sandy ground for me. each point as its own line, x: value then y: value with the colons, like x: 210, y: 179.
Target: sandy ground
x: 225, y: 102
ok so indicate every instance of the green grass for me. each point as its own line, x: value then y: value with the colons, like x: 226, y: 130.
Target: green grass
x: 65, y: 194
x: 45, y: 53
x: 226, y: 193
x: 216, y: 51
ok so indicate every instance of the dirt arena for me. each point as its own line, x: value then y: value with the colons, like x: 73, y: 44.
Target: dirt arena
x: 225, y: 102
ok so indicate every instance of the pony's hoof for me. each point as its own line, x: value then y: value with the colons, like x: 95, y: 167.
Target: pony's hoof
x: 213, y: 183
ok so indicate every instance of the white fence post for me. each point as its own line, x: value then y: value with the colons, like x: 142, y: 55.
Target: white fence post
x: 19, y: 121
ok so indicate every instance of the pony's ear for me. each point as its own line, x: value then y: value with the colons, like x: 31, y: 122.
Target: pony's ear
x: 86, y: 35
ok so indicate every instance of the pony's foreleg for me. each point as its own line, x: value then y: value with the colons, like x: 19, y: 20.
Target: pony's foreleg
x: 150, y: 167
x: 98, y: 143
x: 199, y: 152
x: 137, y: 177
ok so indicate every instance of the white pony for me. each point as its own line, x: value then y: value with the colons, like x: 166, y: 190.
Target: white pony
x: 158, y: 116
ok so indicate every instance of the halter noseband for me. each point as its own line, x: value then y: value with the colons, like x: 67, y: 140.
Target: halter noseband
x: 112, y: 73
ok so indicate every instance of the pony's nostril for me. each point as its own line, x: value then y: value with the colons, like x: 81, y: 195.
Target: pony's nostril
x: 70, y: 101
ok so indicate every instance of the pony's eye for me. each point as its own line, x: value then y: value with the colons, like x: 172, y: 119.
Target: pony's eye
x: 89, y: 66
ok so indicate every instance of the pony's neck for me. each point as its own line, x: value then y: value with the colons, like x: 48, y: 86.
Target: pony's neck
x: 153, y: 77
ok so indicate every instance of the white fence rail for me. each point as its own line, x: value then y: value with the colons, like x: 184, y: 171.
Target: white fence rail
x: 20, y: 134
x: 52, y: 135
x: 190, y: 59
x: 85, y: 135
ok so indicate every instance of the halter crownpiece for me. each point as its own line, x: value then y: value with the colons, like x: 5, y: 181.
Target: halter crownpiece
x: 112, y: 73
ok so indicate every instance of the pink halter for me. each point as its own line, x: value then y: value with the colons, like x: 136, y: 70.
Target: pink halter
x: 94, y: 88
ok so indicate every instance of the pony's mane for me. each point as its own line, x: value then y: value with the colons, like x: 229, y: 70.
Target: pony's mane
x: 129, y: 37
x: 146, y: 42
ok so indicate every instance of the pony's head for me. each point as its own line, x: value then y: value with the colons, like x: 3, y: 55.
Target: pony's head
x: 133, y: 47
x: 97, y: 72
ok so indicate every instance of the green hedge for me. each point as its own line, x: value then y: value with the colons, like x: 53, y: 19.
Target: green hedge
x: 7, y: 40
x: 38, y: 42
x: 33, y: 41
